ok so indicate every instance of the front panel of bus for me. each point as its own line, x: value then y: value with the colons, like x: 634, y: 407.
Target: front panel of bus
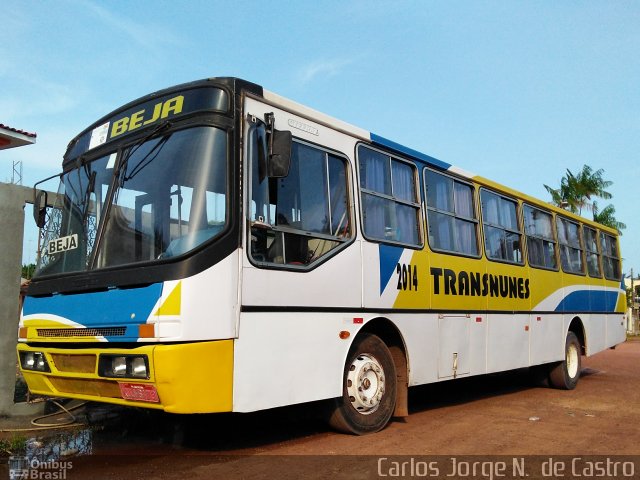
x: 135, y: 297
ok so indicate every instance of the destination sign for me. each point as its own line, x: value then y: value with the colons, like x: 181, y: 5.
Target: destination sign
x: 149, y: 113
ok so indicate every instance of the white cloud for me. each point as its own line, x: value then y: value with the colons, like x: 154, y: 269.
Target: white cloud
x: 323, y: 68
x: 150, y: 37
x: 41, y: 159
x: 44, y: 98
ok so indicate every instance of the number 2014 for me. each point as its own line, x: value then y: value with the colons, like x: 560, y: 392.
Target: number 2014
x: 407, y: 276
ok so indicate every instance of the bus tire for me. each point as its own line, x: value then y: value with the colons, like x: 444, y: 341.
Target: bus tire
x: 565, y: 375
x: 369, y: 388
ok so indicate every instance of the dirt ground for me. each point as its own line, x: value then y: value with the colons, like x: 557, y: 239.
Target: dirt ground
x: 500, y: 414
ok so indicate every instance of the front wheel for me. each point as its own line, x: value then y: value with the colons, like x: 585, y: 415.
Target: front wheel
x: 565, y: 375
x: 369, y: 388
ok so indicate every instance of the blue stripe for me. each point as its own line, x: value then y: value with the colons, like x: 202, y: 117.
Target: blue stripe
x: 113, y: 307
x: 589, y: 300
x: 389, y: 257
x: 377, y: 139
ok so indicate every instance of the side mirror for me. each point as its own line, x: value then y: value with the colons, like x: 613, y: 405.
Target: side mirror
x: 279, y: 158
x: 40, y: 207
x: 280, y: 154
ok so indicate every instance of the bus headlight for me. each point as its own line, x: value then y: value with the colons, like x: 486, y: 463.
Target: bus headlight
x: 119, y: 366
x: 123, y: 366
x: 34, y: 361
x: 139, y: 367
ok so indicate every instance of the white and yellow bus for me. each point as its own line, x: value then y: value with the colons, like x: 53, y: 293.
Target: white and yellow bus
x: 215, y: 247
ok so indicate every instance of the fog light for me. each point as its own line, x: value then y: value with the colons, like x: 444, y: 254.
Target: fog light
x: 119, y: 366
x: 29, y: 360
x: 123, y: 366
x: 34, y: 361
x: 40, y: 361
x: 138, y: 367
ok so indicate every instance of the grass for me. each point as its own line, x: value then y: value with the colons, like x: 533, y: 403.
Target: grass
x: 16, y: 445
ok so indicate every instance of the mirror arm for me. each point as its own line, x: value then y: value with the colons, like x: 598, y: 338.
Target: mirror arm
x: 270, y: 121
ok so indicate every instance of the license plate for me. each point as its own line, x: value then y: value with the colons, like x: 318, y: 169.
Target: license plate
x: 140, y: 392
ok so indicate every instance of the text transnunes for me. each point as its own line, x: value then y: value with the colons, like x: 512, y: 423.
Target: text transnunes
x: 476, y: 284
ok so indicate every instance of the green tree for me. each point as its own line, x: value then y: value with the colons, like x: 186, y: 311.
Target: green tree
x: 579, y: 191
x: 27, y: 270
x: 576, y: 191
x: 607, y: 217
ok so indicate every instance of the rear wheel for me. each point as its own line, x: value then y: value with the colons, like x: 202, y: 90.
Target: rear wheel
x: 369, y: 388
x: 565, y: 375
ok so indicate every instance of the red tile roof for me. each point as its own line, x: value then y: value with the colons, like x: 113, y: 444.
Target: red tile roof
x: 28, y: 134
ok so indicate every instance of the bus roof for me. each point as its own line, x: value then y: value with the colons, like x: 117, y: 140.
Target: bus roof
x: 418, y: 156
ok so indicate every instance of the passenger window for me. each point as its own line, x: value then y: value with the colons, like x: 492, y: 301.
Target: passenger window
x: 502, y: 236
x: 297, y: 219
x: 610, y: 257
x: 451, y: 217
x: 592, y: 252
x: 389, y: 198
x: 541, y: 244
x: 570, y: 245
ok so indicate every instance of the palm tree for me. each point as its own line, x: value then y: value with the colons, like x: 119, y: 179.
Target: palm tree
x: 564, y: 196
x: 587, y: 184
x: 577, y: 190
x: 607, y: 217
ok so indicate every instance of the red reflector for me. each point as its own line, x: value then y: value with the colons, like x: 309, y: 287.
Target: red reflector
x: 526, y: 328
x: 539, y: 318
x: 478, y: 319
x: 358, y: 320
x: 140, y: 392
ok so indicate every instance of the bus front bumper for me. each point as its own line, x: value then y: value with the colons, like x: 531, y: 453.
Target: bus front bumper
x: 180, y: 378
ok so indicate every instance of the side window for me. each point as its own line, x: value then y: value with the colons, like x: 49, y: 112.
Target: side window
x: 592, y: 252
x: 451, y: 218
x: 541, y: 244
x: 502, y: 236
x: 610, y: 257
x: 297, y: 219
x: 389, y: 198
x: 570, y: 245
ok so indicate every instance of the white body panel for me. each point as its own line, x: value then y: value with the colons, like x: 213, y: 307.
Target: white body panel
x: 209, y: 304
x: 333, y: 283
x: 288, y: 349
x: 547, y: 336
x: 285, y: 358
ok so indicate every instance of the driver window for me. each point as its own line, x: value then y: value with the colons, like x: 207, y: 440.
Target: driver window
x: 298, y: 219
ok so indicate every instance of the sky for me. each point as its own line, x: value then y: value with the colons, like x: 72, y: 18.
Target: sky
x: 517, y: 92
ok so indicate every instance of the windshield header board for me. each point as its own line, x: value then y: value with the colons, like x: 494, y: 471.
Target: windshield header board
x: 149, y: 113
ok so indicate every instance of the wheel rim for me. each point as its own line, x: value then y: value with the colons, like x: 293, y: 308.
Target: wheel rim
x: 572, y: 360
x: 365, y: 383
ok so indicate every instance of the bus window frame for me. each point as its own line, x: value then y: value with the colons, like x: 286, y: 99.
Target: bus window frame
x: 598, y: 251
x: 418, y: 204
x: 476, y: 220
x: 582, y: 249
x: 616, y: 239
x: 343, y: 244
x: 556, y: 252
x: 523, y: 263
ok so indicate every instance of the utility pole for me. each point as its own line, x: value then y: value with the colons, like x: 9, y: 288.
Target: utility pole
x: 634, y: 310
x: 16, y: 175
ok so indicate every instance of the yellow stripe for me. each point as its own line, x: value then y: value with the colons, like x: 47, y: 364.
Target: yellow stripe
x: 172, y: 305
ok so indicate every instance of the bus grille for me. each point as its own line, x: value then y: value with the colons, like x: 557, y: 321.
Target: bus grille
x: 81, y: 332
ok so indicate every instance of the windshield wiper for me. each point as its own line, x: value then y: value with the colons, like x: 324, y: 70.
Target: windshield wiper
x: 87, y: 199
x: 120, y: 172
x: 146, y: 160
x: 116, y: 185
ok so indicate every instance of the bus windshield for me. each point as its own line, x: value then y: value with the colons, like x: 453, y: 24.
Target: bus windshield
x: 148, y: 202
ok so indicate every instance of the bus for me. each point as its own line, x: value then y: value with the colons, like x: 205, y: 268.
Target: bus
x: 215, y: 247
